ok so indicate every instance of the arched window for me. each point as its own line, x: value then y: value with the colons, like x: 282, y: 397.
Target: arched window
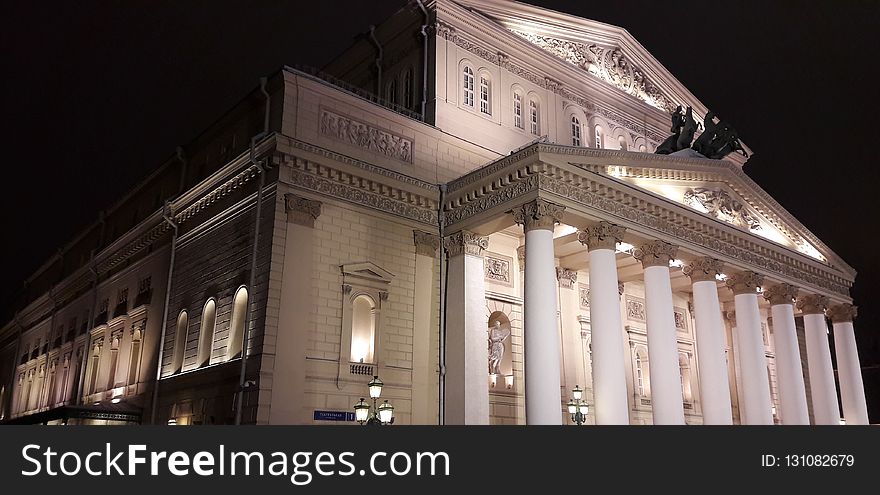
x: 485, y: 94
x: 236, y: 324
x: 93, y: 373
x: 408, y: 100
x: 180, y: 342
x: 363, y: 329
x: 391, y: 91
x: 621, y: 142
x: 534, y: 118
x: 575, y: 131
x: 114, y: 361
x: 517, y: 110
x: 597, y: 137
x: 134, y: 356
x: 206, y: 333
x: 684, y: 368
x: 641, y: 373
x: 468, y: 86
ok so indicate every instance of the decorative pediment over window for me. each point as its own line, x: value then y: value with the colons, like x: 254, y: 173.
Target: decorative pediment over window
x: 606, y: 63
x: 366, y: 273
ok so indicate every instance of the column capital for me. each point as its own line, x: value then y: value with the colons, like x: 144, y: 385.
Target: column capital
x: 538, y: 215
x: 465, y: 242
x: 655, y: 253
x: 781, y: 294
x: 746, y: 282
x: 605, y: 235
x: 426, y: 244
x: 812, y: 304
x: 703, y: 269
x: 301, y: 211
x: 567, y: 277
x: 842, y: 313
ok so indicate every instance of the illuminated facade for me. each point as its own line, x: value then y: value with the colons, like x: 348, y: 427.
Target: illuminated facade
x: 481, y: 222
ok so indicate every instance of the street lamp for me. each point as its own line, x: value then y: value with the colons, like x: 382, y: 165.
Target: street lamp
x: 374, y: 415
x: 578, y: 408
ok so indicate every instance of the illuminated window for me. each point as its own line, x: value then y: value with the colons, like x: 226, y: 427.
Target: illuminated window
x: 236, y: 324
x: 468, y: 86
x: 93, y: 372
x: 485, y: 107
x: 641, y: 362
x: 597, y: 137
x: 408, y: 88
x: 363, y: 329
x: 517, y: 110
x: 134, y: 355
x: 180, y: 342
x: 534, y: 122
x: 575, y: 131
x: 114, y: 361
x: 206, y: 333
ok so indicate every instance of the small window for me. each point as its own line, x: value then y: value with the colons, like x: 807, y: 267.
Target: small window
x: 206, y: 333
x: 597, y: 137
x: 408, y: 100
x: 621, y: 142
x: 134, y: 356
x: 468, y: 87
x: 641, y: 373
x: 534, y: 124
x: 180, y: 342
x: 391, y: 91
x: 575, y: 131
x: 485, y: 107
x: 363, y: 329
x: 517, y: 111
x: 236, y: 324
x: 93, y: 372
x: 114, y: 361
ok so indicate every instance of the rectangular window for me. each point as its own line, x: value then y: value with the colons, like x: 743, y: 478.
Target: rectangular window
x: 598, y: 138
x: 533, y: 117
x: 484, y: 95
x: 468, y: 87
x: 575, y: 132
x: 517, y: 111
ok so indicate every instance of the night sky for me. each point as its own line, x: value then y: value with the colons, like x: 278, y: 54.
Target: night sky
x: 97, y: 94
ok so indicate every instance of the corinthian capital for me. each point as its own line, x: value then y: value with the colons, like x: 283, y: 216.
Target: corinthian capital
x: 842, y: 313
x: 426, y: 244
x: 746, y: 282
x: 655, y: 253
x: 605, y: 235
x: 703, y: 269
x: 781, y: 294
x: 465, y: 242
x: 301, y: 211
x: 567, y: 277
x: 812, y: 304
x: 538, y: 214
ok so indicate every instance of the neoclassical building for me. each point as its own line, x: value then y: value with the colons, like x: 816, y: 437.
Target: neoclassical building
x: 468, y: 204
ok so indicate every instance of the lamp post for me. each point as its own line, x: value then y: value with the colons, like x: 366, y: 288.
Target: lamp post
x: 383, y: 414
x: 578, y: 408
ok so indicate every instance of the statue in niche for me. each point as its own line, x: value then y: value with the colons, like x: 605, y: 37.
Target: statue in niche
x: 670, y: 145
x: 497, y: 335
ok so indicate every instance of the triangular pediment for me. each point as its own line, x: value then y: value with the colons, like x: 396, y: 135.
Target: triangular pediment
x: 367, y: 271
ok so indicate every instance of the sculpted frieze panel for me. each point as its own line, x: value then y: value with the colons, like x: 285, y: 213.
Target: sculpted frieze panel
x: 366, y: 136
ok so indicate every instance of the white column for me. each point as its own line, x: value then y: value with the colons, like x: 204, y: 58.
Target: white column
x: 609, y: 373
x: 570, y: 328
x: 666, y: 397
x: 540, y: 328
x: 789, y: 374
x: 467, y: 352
x: 424, y: 403
x: 756, y: 409
x: 822, y: 390
x: 714, y: 380
x: 849, y: 371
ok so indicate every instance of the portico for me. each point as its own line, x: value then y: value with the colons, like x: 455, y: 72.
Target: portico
x: 572, y: 210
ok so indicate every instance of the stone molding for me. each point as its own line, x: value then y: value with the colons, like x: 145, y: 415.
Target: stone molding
x: 465, y: 242
x: 301, y: 211
x: 812, y: 304
x: 781, y: 294
x: 604, y: 235
x: 703, y: 269
x: 426, y: 244
x: 567, y: 277
x: 655, y: 253
x: 538, y: 215
x: 842, y: 313
x: 746, y: 282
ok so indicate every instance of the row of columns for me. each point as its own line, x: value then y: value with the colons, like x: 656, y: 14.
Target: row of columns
x: 466, y: 333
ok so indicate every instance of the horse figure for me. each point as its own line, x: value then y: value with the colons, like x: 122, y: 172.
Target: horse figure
x: 705, y: 138
x: 687, y: 132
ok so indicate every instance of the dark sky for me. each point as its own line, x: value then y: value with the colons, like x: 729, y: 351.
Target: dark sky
x: 96, y: 94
